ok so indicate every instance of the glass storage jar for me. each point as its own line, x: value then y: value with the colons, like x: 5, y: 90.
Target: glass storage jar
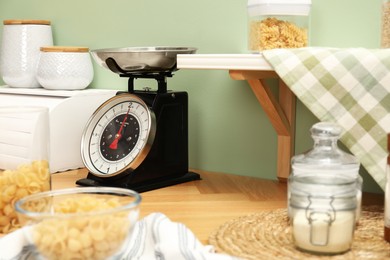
x: 327, y: 158
x: 323, y: 209
x: 278, y: 24
x: 385, y: 26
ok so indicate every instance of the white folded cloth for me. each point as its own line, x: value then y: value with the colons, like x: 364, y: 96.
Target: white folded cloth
x: 11, y: 246
x: 154, y: 237
x: 157, y: 237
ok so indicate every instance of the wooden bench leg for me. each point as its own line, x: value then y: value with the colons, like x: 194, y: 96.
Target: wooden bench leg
x: 280, y: 112
x: 286, y: 144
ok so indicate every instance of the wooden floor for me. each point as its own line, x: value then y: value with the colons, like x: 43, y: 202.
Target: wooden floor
x: 206, y: 204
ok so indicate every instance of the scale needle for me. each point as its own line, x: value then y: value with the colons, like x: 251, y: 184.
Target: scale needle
x: 118, y: 136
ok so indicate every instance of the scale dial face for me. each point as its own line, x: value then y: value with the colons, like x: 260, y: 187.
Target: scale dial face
x: 118, y: 136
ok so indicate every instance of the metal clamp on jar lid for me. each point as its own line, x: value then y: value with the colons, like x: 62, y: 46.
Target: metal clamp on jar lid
x: 323, y: 212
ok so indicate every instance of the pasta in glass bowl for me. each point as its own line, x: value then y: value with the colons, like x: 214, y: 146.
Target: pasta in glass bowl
x: 79, y: 223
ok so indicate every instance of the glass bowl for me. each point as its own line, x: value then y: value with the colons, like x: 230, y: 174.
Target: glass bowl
x: 79, y: 223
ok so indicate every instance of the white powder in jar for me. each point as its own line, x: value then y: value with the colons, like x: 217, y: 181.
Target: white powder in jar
x: 321, y: 237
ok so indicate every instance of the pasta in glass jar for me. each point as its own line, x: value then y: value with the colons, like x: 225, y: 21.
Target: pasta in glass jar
x: 24, y: 165
x: 280, y: 24
x: 385, y: 30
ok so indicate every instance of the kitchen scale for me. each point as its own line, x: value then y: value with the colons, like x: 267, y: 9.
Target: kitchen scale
x: 139, y: 139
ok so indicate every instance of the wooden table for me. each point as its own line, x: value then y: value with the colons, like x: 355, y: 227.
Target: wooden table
x: 253, y: 68
x: 206, y: 204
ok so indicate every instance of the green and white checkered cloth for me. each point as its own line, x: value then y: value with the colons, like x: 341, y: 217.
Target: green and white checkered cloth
x: 348, y: 86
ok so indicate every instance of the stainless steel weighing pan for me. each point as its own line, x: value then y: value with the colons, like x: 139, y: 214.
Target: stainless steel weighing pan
x: 139, y: 59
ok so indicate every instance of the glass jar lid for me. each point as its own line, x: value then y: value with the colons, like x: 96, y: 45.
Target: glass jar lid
x: 325, y: 152
x: 326, y: 130
x: 278, y: 7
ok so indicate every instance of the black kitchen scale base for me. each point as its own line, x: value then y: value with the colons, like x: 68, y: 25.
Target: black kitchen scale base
x: 145, y: 186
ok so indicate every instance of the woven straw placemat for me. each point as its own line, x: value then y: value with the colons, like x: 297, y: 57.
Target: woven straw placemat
x: 267, y: 235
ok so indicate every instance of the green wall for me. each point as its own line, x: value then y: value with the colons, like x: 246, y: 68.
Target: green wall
x: 229, y: 131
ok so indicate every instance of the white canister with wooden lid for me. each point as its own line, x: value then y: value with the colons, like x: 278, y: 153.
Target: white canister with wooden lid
x: 21, y: 42
x: 65, y: 68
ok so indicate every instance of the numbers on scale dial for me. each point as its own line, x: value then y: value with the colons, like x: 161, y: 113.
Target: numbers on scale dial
x: 119, y: 136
